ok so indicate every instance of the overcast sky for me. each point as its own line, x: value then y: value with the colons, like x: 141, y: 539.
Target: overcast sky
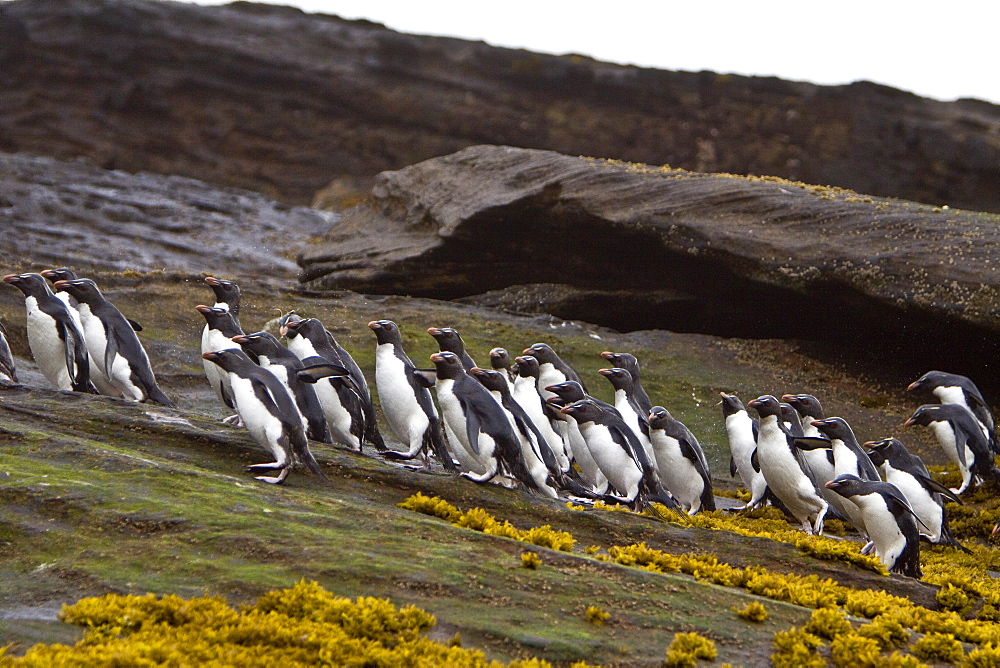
x: 944, y: 50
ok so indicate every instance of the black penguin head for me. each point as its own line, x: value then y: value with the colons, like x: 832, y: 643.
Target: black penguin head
x: 447, y: 339
x: 231, y: 359
x: 620, y: 379
x: 924, y: 415
x: 805, y: 405
x: 582, y: 411
x: 848, y: 485
x: 225, y: 291
x: 621, y: 360
x: 934, y: 379
x: 731, y: 404
x: 499, y: 358
x: 883, y: 450
x: 258, y: 343
x: 386, y: 331
x: 527, y: 366
x: 213, y: 315
x: 285, y: 320
x: 84, y: 289
x: 447, y: 365
x: 569, y: 391
x: 766, y: 405
x: 541, y: 352
x: 491, y: 380
x: 32, y: 285
x: 310, y: 328
x: 60, y: 274
x: 835, y: 428
x: 659, y: 417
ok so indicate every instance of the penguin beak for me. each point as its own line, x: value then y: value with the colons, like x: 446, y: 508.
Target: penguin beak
x: 909, y: 422
x: 557, y: 402
x: 211, y: 280
x: 211, y: 357
x: 437, y: 357
x: 13, y: 279
x: 833, y: 484
x: 913, y: 386
x: 996, y: 531
x: 241, y: 339
x: 374, y: 325
x: 433, y: 331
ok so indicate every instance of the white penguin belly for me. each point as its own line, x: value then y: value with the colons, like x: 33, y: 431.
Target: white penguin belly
x: 338, y: 418
x: 882, y: 528
x: 921, y: 501
x: 632, y: 420
x: 263, y: 427
x: 677, y: 473
x: 616, y: 464
x: 946, y: 437
x: 526, y: 395
x: 454, y: 421
x: 399, y: 404
x: 589, y: 471
x: 47, y: 348
x: 785, y: 477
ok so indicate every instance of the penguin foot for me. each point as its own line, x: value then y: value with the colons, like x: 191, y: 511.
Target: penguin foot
x: 233, y: 420
x: 398, y: 454
x: 868, y: 548
x: 274, y: 480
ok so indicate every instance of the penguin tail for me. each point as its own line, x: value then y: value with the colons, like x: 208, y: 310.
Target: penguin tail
x: 948, y: 538
x: 708, y: 498
x: 571, y: 485
x: 372, y: 434
x: 908, y: 563
x: 156, y: 395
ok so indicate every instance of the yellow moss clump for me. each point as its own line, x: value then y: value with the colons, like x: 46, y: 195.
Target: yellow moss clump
x: 828, y: 623
x: 983, y: 657
x: 796, y: 648
x: 754, y: 612
x: 687, y: 648
x: 530, y: 560
x: 596, y: 616
x: 952, y: 598
x: 850, y: 649
x: 939, y: 647
x: 886, y: 631
x: 478, y: 519
x: 303, y: 625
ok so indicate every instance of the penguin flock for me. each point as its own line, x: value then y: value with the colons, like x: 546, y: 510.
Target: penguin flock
x: 527, y: 421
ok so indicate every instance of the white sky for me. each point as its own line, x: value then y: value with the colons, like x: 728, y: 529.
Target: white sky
x: 943, y: 50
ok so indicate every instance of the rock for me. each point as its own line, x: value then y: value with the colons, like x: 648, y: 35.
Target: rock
x: 275, y: 100
x: 656, y: 248
x: 58, y: 213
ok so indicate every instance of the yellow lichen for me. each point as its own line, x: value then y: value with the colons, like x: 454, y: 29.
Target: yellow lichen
x: 596, y: 616
x: 753, y: 612
x: 687, y: 649
x: 530, y: 560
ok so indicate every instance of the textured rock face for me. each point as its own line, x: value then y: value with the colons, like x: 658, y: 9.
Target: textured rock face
x: 277, y: 101
x: 648, y: 248
x: 55, y: 213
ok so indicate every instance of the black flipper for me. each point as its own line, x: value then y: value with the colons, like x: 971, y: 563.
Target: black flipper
x: 732, y: 467
x: 136, y: 327
x: 934, y: 487
x: 755, y: 460
x: 316, y: 372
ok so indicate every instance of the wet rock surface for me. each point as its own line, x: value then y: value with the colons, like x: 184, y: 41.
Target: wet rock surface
x: 281, y: 102
x: 72, y: 212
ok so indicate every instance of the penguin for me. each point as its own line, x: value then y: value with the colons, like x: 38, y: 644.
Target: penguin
x: 339, y: 398
x: 819, y: 459
x: 537, y: 458
x: 629, y: 362
x: 741, y: 430
x: 113, y: 343
x: 891, y: 522
x: 683, y: 468
x: 308, y: 338
x: 227, y: 295
x: 619, y: 455
x: 962, y: 439
x: 405, y: 398
x: 56, y: 342
x: 551, y: 368
x: 950, y: 388
x: 925, y: 495
x: 500, y: 361
x: 283, y: 363
x: 269, y: 414
x: 782, y: 470
x: 8, y: 374
x: 589, y: 472
x: 67, y: 274
x: 477, y: 423
x: 449, y: 341
x: 630, y: 410
x: 220, y: 329
x: 525, y: 392
x: 849, y: 458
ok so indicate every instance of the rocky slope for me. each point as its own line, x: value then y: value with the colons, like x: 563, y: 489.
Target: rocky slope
x: 281, y: 102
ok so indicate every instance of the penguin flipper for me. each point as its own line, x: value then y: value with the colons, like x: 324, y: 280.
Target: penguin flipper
x: 313, y: 373
x: 425, y: 378
x: 810, y: 442
x: 755, y: 460
x: 934, y: 487
x: 472, y: 427
x: 136, y: 327
x: 732, y: 466
x: 110, y: 352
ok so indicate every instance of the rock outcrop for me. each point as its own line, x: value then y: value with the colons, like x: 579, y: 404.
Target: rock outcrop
x: 635, y: 247
x: 274, y: 100
x: 57, y: 212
